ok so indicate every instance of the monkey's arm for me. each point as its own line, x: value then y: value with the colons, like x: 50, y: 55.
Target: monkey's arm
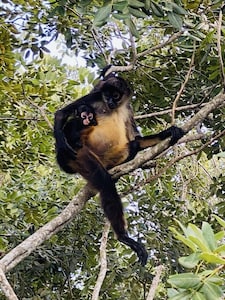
x: 141, y: 143
x: 62, y: 116
x: 67, y: 142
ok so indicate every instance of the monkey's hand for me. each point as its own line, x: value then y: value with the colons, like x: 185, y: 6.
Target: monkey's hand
x: 174, y: 132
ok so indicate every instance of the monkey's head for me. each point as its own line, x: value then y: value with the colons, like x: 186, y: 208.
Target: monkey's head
x: 115, y: 91
x: 86, y: 115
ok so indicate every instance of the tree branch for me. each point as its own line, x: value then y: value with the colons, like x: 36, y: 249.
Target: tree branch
x: 129, y: 67
x: 219, y: 47
x: 16, y: 255
x: 170, y: 40
x: 103, y: 262
x: 155, y: 283
x: 169, y: 111
x: 182, y: 88
x: 41, y: 109
x: 6, y: 287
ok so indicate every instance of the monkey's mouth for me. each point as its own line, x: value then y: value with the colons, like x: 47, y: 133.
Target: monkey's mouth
x: 111, y: 105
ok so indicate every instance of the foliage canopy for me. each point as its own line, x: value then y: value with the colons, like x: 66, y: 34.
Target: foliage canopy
x: 135, y: 37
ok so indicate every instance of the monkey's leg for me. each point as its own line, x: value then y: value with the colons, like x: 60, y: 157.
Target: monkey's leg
x: 92, y: 170
x: 174, y: 132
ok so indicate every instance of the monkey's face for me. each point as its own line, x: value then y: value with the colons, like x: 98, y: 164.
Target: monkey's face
x: 87, y: 118
x: 112, y: 97
x: 86, y: 115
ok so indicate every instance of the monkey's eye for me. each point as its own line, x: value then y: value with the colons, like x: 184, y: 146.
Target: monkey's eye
x: 116, y: 95
x: 90, y: 116
x: 83, y: 115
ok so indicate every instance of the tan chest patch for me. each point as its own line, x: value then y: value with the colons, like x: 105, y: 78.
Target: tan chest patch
x: 108, y: 140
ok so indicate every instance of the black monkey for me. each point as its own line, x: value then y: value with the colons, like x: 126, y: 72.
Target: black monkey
x: 114, y: 140
x: 82, y: 117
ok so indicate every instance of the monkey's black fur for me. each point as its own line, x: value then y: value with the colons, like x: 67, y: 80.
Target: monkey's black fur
x: 110, y: 140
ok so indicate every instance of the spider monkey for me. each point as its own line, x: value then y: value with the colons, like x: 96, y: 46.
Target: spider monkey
x: 109, y: 139
x: 82, y: 117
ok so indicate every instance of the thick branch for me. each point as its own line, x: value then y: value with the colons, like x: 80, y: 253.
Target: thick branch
x: 6, y: 287
x: 24, y: 249
x: 17, y: 254
x: 151, y: 153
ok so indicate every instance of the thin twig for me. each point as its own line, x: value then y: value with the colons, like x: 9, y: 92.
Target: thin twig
x: 219, y: 47
x: 180, y: 157
x: 168, y: 111
x: 133, y: 48
x: 182, y: 87
x: 103, y: 262
x: 129, y: 67
x: 155, y: 283
x: 96, y: 38
x: 170, y: 40
x: 41, y: 109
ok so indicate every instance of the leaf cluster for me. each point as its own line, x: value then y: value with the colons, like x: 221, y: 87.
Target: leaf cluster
x: 207, y: 262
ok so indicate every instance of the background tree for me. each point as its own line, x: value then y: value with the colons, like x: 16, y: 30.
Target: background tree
x: 172, y: 54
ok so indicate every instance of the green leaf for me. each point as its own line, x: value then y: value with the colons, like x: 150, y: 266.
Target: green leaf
x: 211, y: 291
x: 184, y: 295
x: 132, y: 27
x: 209, y: 236
x: 219, y: 220
x: 137, y: 13
x: 178, y: 10
x: 102, y: 14
x: 219, y: 235
x: 198, y: 296
x: 121, y: 16
x: 120, y: 5
x: 202, y: 246
x: 184, y: 240
x: 215, y: 279
x: 147, y: 4
x: 136, y: 3
x: 212, y: 258
x: 190, y: 261
x: 156, y: 9
x: 175, y: 20
x: 220, y: 249
x: 184, y: 281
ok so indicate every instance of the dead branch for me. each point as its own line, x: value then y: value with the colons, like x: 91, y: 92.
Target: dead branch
x: 182, y: 88
x: 103, y: 262
x: 219, y: 47
x: 155, y: 283
x: 6, y: 287
x: 180, y: 157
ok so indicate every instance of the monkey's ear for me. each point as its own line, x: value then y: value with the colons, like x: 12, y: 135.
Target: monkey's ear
x: 104, y: 71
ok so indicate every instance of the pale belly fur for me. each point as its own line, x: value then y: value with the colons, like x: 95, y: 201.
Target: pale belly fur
x: 108, y: 140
